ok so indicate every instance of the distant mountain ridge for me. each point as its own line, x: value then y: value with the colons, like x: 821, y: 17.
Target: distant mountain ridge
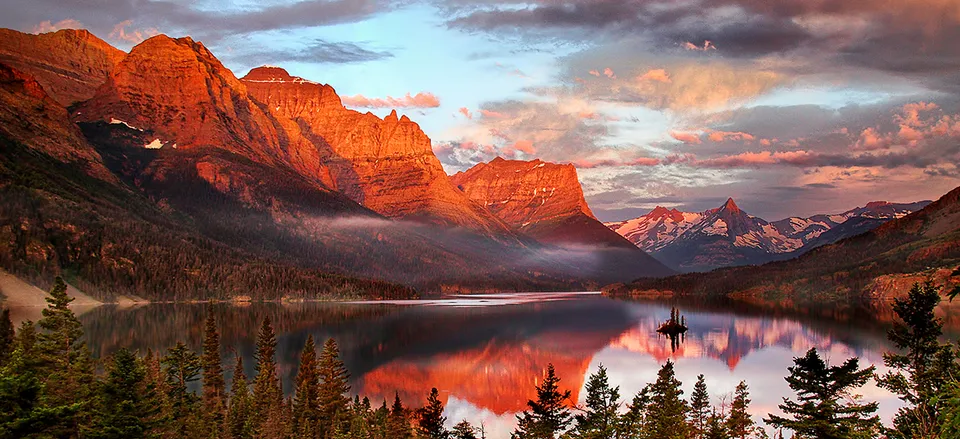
x: 728, y: 236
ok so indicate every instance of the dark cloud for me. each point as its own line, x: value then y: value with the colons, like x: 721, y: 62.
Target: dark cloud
x: 315, y: 52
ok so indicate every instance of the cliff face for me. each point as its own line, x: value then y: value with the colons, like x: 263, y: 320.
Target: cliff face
x: 545, y: 201
x: 178, y: 91
x: 386, y: 164
x: 69, y: 64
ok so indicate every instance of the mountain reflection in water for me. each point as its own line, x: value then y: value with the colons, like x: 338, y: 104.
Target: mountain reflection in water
x: 486, y: 354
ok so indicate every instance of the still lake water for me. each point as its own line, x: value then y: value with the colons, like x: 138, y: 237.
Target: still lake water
x: 486, y: 353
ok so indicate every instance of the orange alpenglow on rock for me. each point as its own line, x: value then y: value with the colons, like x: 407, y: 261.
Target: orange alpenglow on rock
x: 388, y: 165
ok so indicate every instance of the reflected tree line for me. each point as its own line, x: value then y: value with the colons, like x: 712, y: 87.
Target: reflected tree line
x: 52, y: 386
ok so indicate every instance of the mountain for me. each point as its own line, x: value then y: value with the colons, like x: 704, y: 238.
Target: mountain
x: 924, y: 245
x: 70, y: 64
x: 728, y: 236
x: 545, y: 201
x: 386, y: 164
x: 175, y: 180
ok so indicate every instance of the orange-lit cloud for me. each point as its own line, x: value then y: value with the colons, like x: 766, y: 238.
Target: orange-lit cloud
x: 608, y: 72
x: 720, y: 136
x: 492, y: 114
x: 686, y: 137
x: 466, y: 112
x: 420, y: 100
x: 600, y: 163
x: 47, y: 26
x: 759, y: 158
x: 707, y: 45
x: 594, y: 72
x: 658, y: 75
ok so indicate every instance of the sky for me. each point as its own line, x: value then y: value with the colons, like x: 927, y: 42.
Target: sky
x: 791, y: 107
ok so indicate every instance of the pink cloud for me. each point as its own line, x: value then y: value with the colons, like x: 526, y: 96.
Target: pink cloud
x: 759, y: 158
x: 134, y: 36
x: 605, y: 163
x: 720, y: 136
x: 420, y: 100
x: 658, y: 75
x: 524, y: 146
x: 686, y: 137
x: 47, y: 26
x: 588, y: 115
x: 679, y: 158
x: 580, y: 80
x: 609, y: 73
x: 594, y: 73
x: 466, y: 112
x: 707, y: 45
x: 492, y: 114
x: 765, y: 142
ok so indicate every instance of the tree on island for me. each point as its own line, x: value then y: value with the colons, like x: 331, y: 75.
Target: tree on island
x: 826, y: 407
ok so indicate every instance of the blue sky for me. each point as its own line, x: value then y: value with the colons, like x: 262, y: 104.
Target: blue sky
x: 800, y: 109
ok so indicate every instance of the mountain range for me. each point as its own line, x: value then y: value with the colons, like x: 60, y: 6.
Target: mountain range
x: 160, y: 174
x: 728, y: 236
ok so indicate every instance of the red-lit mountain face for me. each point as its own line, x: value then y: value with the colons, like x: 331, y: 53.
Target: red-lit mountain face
x: 386, y: 164
x: 728, y: 236
x: 545, y: 201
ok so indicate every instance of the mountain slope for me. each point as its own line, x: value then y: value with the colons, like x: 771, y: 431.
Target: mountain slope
x: 69, y: 63
x: 545, y: 201
x: 852, y: 268
x: 728, y: 236
x: 386, y: 164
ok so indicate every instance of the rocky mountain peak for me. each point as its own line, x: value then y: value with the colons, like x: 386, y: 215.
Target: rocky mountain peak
x: 876, y: 204
x: 730, y: 206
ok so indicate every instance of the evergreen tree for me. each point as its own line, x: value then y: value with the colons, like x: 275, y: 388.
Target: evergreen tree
x: 214, y: 386
x: 22, y: 412
x: 64, y: 360
x: 238, y: 415
x: 600, y: 416
x: 334, y: 387
x: 181, y: 367
x: 548, y: 415
x: 267, y: 394
x: 923, y: 369
x: 716, y: 427
x: 464, y: 430
x: 430, y: 418
x: 306, y: 412
x: 127, y: 406
x: 825, y: 407
x: 699, y: 407
x: 739, y: 423
x: 7, y: 335
x: 667, y: 412
x: 634, y: 422
x: 398, y: 422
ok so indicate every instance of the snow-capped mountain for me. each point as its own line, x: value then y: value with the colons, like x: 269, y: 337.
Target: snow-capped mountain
x: 728, y: 236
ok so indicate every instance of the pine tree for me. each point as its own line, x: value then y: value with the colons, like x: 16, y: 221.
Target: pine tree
x: 214, y: 386
x: 634, y: 422
x: 238, y: 415
x: 127, y: 406
x: 306, y: 412
x: 334, y: 387
x: 925, y: 367
x: 548, y: 415
x: 699, y: 407
x: 7, y: 335
x: 716, y: 427
x: 824, y: 409
x: 464, y: 430
x: 600, y: 416
x: 739, y: 423
x: 399, y: 422
x: 64, y: 360
x: 182, y: 367
x: 267, y: 394
x: 667, y: 411
x: 430, y: 418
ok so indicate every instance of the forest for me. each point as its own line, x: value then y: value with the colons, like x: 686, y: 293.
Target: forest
x: 52, y: 386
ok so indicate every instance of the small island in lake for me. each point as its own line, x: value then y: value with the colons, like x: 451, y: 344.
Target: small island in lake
x: 676, y: 325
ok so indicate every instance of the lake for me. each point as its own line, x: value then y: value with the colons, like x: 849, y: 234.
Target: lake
x: 486, y: 353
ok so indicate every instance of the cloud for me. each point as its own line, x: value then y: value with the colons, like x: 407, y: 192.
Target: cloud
x: 466, y: 112
x: 603, y: 163
x: 722, y: 136
x: 492, y: 114
x: 658, y: 75
x: 420, y: 100
x: 608, y: 72
x: 707, y: 45
x: 594, y: 72
x: 251, y: 52
x: 47, y: 26
x: 759, y: 158
x: 686, y: 137
x: 121, y: 32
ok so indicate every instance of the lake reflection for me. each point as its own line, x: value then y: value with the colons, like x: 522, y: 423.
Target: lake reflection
x: 486, y: 353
